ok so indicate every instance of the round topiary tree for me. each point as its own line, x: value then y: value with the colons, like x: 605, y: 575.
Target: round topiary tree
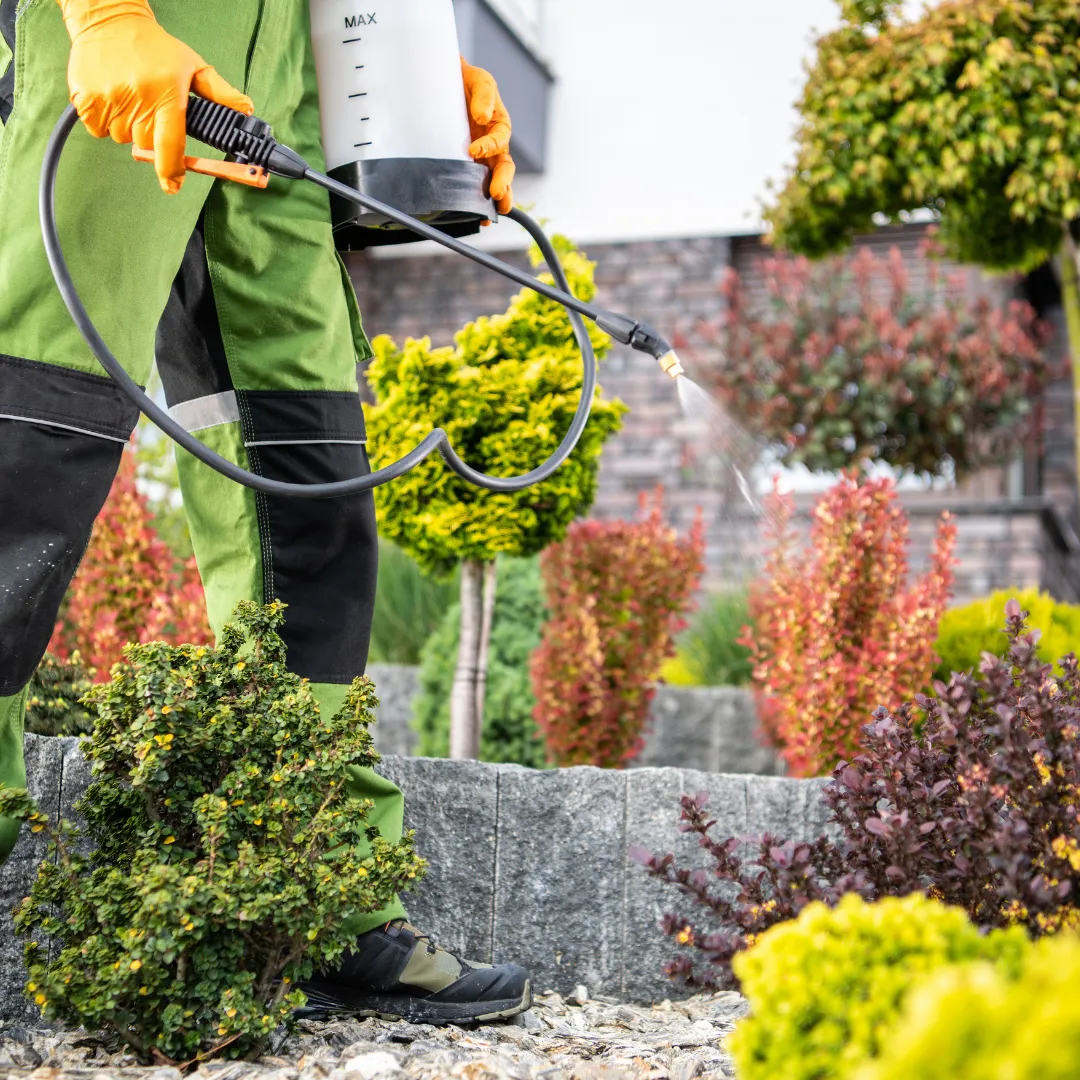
x: 505, y: 393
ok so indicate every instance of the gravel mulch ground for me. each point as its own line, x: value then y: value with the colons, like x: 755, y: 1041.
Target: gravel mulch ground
x: 575, y: 1038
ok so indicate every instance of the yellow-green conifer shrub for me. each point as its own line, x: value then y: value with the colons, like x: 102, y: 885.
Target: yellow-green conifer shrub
x: 825, y: 987
x: 505, y: 394
x: 974, y: 1022
x: 966, y: 632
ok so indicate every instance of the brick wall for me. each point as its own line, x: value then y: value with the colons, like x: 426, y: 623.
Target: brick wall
x: 675, y: 283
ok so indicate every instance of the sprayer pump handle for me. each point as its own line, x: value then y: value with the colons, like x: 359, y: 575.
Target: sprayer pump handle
x: 249, y: 140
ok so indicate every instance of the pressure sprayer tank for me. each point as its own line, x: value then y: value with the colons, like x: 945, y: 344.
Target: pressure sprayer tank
x: 394, y: 121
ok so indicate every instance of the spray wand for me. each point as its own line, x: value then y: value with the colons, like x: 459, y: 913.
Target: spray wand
x: 256, y: 155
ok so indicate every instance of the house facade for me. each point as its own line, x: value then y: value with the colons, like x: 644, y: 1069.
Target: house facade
x: 648, y: 135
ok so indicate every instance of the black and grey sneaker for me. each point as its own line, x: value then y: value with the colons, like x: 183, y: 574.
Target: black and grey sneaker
x: 397, y: 973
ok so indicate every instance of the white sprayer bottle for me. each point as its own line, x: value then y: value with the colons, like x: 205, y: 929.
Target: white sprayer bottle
x: 394, y: 121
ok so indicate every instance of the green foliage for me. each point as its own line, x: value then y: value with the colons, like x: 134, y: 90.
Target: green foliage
x: 509, y: 733
x: 709, y: 653
x: 824, y: 988
x: 968, y: 109
x: 505, y: 394
x: 409, y: 607
x: 54, y: 697
x: 974, y: 1022
x: 227, y: 855
x: 965, y: 633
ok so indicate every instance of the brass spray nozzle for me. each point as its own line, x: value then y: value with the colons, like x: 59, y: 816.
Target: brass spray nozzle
x: 669, y: 364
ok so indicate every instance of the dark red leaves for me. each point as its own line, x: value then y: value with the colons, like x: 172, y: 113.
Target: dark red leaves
x: 844, y: 361
x: 980, y: 813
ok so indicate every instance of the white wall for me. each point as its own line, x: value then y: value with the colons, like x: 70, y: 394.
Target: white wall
x: 668, y: 116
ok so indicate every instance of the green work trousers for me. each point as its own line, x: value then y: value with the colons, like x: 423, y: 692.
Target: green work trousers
x: 242, y: 298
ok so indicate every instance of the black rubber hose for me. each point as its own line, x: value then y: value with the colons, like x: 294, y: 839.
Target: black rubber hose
x: 437, y: 440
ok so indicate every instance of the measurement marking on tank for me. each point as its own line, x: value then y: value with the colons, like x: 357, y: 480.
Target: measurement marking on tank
x: 359, y: 67
x: 359, y: 20
x: 365, y: 118
x: 358, y: 144
x: 364, y: 94
x: 350, y: 40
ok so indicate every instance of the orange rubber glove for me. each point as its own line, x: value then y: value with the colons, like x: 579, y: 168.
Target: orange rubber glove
x: 130, y: 79
x: 489, y: 124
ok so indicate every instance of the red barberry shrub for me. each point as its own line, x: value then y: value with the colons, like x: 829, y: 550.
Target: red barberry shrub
x: 972, y: 797
x: 748, y: 887
x: 182, y: 611
x: 128, y: 587
x: 836, y: 628
x: 617, y: 593
x: 845, y: 362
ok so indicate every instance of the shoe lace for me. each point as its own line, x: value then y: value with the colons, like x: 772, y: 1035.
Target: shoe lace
x: 397, y: 924
x: 432, y: 947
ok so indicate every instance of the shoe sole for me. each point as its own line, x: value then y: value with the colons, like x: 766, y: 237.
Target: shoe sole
x: 324, y: 1002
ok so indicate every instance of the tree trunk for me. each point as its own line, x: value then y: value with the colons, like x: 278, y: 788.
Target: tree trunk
x: 487, y: 617
x: 464, y: 728
x: 1070, y: 299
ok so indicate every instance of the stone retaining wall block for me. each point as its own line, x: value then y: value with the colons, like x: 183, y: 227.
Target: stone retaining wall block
x: 527, y: 866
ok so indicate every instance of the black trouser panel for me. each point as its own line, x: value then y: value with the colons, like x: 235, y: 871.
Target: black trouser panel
x: 61, y: 436
x: 7, y: 78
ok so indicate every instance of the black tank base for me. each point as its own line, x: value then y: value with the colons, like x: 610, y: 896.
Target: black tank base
x: 448, y: 195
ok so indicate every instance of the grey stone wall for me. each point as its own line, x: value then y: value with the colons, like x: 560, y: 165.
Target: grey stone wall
x: 396, y: 685
x: 712, y: 728
x: 524, y: 865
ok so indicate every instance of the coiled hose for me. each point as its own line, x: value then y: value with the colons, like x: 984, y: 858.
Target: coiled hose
x: 249, y: 140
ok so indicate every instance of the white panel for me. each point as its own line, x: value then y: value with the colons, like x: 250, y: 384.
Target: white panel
x: 389, y: 80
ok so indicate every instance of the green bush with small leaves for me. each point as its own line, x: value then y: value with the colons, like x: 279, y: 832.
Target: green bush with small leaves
x: 509, y: 733
x: 226, y: 855
x: 966, y: 632
x: 709, y: 653
x: 976, y: 1022
x: 825, y: 987
x: 54, y: 697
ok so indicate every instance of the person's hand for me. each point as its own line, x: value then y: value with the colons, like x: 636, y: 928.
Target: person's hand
x: 489, y: 125
x: 130, y: 79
